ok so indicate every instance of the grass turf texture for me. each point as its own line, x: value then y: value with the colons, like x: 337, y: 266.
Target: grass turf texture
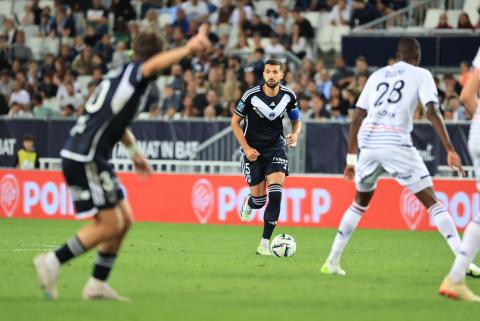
x: 198, y: 272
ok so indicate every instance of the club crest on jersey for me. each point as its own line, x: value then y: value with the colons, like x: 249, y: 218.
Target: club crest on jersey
x: 240, y: 106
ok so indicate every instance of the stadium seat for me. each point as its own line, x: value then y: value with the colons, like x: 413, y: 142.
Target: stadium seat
x: 313, y: 17
x: 453, y: 15
x: 82, y: 81
x: 51, y: 45
x: 164, y: 19
x: 5, y: 8
x: 36, y: 45
x: 431, y: 18
x: 30, y: 31
x: 330, y: 37
x: 162, y: 82
x: 52, y: 103
x: 261, y: 7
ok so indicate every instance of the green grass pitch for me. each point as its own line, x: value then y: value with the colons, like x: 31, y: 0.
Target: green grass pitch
x: 194, y: 272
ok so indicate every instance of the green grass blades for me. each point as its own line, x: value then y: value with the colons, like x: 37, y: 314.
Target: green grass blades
x: 197, y: 272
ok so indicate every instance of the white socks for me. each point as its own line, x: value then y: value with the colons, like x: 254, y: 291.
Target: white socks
x: 445, y: 226
x: 348, y: 224
x: 468, y: 251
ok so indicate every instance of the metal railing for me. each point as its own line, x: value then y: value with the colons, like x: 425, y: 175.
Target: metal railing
x: 161, y: 166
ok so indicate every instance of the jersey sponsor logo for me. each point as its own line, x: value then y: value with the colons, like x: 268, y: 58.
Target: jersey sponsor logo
x: 9, y: 194
x: 411, y: 209
x: 203, y: 200
x: 265, y: 110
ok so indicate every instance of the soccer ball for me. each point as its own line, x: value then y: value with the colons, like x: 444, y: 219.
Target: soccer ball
x: 283, y: 245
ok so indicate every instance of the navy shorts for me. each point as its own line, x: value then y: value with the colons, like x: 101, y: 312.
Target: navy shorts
x: 270, y: 161
x: 93, y: 186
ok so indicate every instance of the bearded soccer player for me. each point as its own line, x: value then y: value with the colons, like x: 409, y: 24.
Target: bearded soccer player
x: 263, y: 145
x: 95, y: 188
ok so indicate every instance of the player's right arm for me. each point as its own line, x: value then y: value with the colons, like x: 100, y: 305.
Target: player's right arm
x: 359, y: 115
x: 163, y: 60
x: 251, y: 153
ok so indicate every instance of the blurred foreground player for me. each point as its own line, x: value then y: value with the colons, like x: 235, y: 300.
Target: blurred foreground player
x: 383, y: 121
x: 95, y: 188
x: 264, y: 148
x: 453, y: 285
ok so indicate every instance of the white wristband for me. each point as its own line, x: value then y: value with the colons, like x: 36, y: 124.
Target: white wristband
x: 133, y: 150
x: 352, y: 159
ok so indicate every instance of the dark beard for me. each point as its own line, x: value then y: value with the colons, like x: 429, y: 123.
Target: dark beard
x: 275, y: 84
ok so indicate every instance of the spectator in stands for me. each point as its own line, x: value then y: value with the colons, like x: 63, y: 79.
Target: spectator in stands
x: 285, y: 19
x: 209, y: 113
x: 188, y: 110
x: 443, y: 22
x: 231, y: 86
x: 241, y: 6
x: 340, y: 14
x: 37, y: 11
x: 249, y: 78
x: 361, y: 67
x: 69, y: 97
x: 68, y: 111
x: 123, y: 11
x: 47, y: 25
x: 28, y: 17
x: 324, y: 84
x: 79, y: 18
x: 195, y: 10
x: 224, y: 12
x: 362, y: 13
x: 441, y: 93
x: 64, y: 23
x: 120, y: 56
x: 256, y: 25
x: 34, y: 74
x: 79, y: 45
x: 284, y: 38
x: 464, y: 21
x: 304, y: 105
x: 104, y: 47
x: 91, y: 36
x: 452, y: 86
x: 477, y: 26
x: 258, y: 62
x: 39, y: 109
x: 306, y: 29
x: 299, y: 44
x: 213, y: 102
x: 97, y: 17
x: 5, y: 84
x: 154, y: 113
x: 182, y: 21
x: 83, y: 64
x: 170, y: 100
x: 343, y: 75
x: 351, y: 97
x: 319, y: 110
x: 274, y: 47
x: 10, y: 30
x: 19, y: 95
x: 47, y: 86
x: 337, y: 104
x: 455, y: 106
x: 150, y: 22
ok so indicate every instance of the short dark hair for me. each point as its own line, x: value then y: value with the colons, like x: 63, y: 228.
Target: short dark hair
x: 28, y: 138
x: 408, y: 49
x: 146, y: 45
x: 274, y: 62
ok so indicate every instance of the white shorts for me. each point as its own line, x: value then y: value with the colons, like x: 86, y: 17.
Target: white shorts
x: 474, y: 149
x: 403, y: 163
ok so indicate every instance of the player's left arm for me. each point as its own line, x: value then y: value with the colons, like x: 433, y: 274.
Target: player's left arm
x: 434, y: 116
x: 294, y: 116
x: 141, y: 164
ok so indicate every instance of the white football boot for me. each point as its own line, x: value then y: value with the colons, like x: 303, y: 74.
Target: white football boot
x: 246, y: 211
x: 264, y: 248
x: 100, y: 290
x: 457, y: 291
x: 473, y: 270
x: 47, y: 267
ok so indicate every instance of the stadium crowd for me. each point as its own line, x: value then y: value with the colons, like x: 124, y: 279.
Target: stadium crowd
x: 51, y: 59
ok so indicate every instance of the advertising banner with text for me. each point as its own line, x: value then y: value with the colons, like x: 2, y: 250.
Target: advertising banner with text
x: 307, y: 201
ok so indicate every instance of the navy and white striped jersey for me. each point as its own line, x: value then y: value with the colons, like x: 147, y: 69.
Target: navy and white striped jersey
x: 263, y: 115
x: 109, y: 111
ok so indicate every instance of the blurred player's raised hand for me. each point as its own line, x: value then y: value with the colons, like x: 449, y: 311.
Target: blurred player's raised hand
x: 141, y: 165
x: 455, y: 163
x: 200, y: 41
x: 349, y: 173
x: 292, y: 140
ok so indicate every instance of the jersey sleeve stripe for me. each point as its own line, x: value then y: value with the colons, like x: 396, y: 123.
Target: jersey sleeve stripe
x: 250, y: 91
x: 288, y: 90
x: 236, y: 112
